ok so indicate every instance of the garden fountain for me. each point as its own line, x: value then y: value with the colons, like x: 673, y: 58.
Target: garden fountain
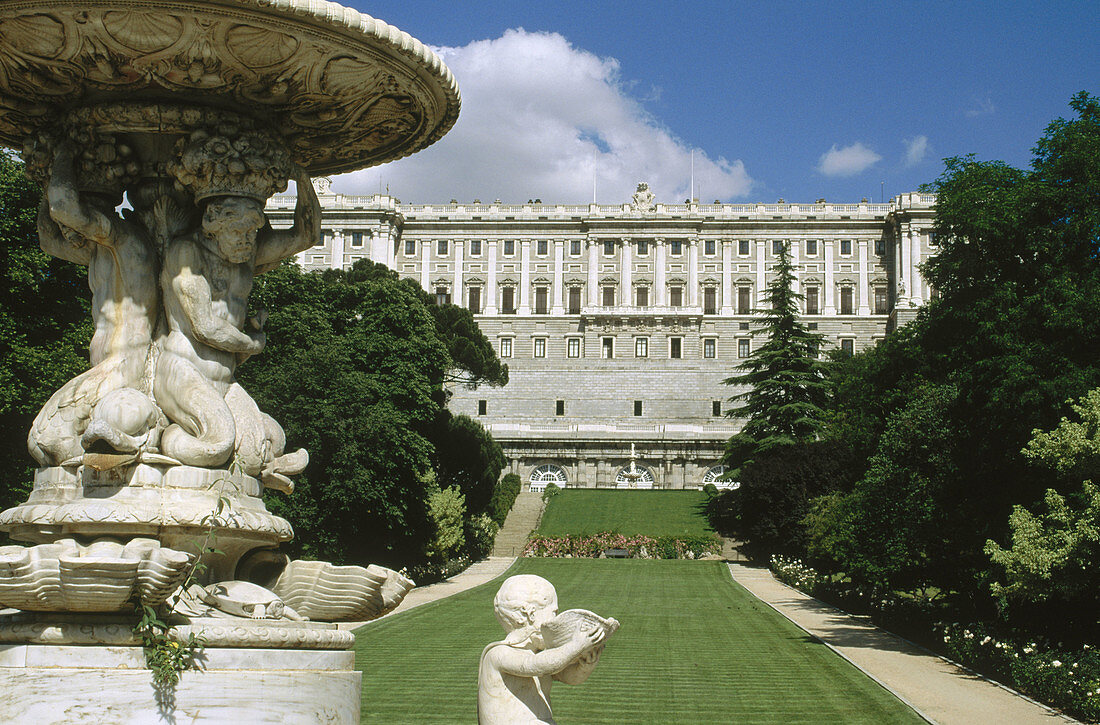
x: 197, y: 112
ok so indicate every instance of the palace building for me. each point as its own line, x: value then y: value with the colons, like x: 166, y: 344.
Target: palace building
x: 620, y: 322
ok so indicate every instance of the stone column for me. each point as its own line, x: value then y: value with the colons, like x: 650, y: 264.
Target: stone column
x: 559, y: 278
x: 425, y: 264
x: 336, y: 261
x: 693, y: 272
x: 524, y: 277
x: 626, y: 263
x: 661, y: 293
x: 829, y: 308
x: 593, y: 272
x: 457, y: 296
x: 906, y: 266
x: 761, y: 274
x: 391, y: 241
x: 491, y: 279
x: 916, y: 291
x: 864, y: 286
x: 727, y: 276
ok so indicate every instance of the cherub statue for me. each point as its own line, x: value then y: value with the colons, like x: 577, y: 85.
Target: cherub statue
x: 515, y: 674
x: 206, y: 279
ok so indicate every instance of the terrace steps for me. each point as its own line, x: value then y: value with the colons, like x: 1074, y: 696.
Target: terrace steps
x: 521, y: 521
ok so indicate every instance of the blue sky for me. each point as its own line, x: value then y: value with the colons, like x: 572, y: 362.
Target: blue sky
x: 777, y: 100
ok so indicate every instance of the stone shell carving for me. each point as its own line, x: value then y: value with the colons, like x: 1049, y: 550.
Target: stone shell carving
x: 343, y: 89
x: 329, y: 593
x: 105, y: 576
x: 560, y: 630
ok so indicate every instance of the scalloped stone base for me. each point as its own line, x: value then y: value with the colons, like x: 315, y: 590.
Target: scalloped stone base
x: 72, y: 684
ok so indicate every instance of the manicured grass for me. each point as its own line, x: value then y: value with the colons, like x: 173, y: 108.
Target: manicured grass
x: 694, y: 648
x: 653, y: 513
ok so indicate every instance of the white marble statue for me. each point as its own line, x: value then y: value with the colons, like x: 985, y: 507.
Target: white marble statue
x: 515, y: 674
x: 206, y: 279
x: 81, y: 225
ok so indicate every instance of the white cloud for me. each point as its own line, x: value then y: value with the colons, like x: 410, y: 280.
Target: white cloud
x: 981, y: 107
x: 539, y: 118
x: 916, y: 149
x: 847, y: 161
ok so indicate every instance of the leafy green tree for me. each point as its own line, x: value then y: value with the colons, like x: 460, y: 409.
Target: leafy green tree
x: 466, y: 456
x: 787, y: 387
x: 45, y: 326
x: 447, y: 509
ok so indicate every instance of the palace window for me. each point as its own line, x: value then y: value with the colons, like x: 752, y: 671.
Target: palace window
x: 607, y: 348
x: 845, y: 247
x: 506, y: 347
x: 357, y: 239
x: 743, y: 347
x: 539, y: 347
x: 573, y: 347
x: 848, y: 346
x: 881, y: 303
x: 638, y: 408
x: 509, y: 247
x: 574, y: 300
x: 847, y: 301
x: 743, y: 247
x: 482, y: 407
x: 642, y: 296
x: 714, y: 475
x: 546, y: 474
x: 575, y: 247
x: 710, y: 301
x: 559, y: 407
x: 410, y: 248
x: 675, y: 347
x: 508, y: 300
x: 676, y: 296
x: 676, y: 247
x: 744, y: 300
x: 777, y: 247
x: 641, y: 347
x: 709, y: 247
x: 441, y: 247
x: 609, y: 249
x: 811, y: 301
x: 475, y: 247
x: 716, y: 408
x: 710, y: 348
x: 643, y: 247
x: 542, y: 294
x: 442, y: 296
x: 542, y: 247
x: 880, y: 247
x: 811, y: 247
x: 473, y: 299
x: 608, y: 292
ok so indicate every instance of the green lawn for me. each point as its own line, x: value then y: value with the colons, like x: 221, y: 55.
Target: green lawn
x: 653, y: 513
x: 694, y: 648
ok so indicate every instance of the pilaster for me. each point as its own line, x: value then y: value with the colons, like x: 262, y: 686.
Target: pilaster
x: 491, y: 278
x: 524, y: 277
x: 558, y: 304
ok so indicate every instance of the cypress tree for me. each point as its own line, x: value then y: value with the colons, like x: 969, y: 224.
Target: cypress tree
x: 787, y: 386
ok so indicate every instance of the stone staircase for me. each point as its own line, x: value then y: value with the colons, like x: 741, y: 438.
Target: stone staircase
x: 521, y: 521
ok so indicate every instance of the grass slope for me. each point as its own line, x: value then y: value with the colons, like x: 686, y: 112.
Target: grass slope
x: 653, y: 513
x: 694, y: 648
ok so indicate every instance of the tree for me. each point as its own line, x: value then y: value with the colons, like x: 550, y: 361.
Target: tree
x: 45, y: 326
x: 788, y: 389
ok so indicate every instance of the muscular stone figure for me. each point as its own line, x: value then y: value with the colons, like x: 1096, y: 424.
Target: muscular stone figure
x: 206, y: 279
x: 82, y: 226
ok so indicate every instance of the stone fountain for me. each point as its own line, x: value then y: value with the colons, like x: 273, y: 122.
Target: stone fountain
x: 194, y: 112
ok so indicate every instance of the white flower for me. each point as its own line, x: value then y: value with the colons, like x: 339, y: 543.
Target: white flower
x: 1057, y: 663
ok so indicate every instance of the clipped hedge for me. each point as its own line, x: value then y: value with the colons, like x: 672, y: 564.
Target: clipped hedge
x: 504, y: 496
x: 636, y: 546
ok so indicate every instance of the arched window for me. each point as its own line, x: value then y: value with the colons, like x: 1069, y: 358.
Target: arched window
x: 639, y: 477
x: 547, y: 473
x: 714, y: 473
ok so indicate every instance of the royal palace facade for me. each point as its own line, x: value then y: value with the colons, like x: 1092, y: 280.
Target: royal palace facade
x: 620, y: 322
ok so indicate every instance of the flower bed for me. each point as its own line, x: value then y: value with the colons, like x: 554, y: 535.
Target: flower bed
x: 636, y: 546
